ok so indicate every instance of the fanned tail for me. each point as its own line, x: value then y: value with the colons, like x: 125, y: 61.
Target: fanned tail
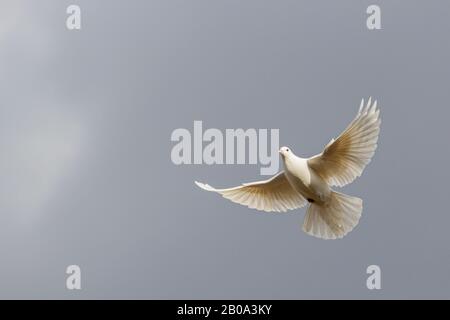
x: 335, y: 219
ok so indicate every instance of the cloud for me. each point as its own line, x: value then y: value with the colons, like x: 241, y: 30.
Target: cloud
x: 38, y: 150
x: 41, y: 134
x: 10, y: 15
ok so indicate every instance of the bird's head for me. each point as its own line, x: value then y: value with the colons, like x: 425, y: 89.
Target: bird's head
x: 285, y: 152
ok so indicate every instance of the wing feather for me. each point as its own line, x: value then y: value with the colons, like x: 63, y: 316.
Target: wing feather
x: 272, y: 195
x: 344, y: 158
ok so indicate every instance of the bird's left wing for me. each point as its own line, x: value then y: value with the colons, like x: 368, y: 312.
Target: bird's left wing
x: 344, y: 159
x: 274, y: 194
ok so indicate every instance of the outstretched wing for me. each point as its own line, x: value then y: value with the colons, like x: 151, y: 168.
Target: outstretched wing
x: 344, y: 159
x: 275, y: 194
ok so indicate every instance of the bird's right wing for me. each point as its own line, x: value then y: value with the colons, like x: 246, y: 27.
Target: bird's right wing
x: 274, y: 194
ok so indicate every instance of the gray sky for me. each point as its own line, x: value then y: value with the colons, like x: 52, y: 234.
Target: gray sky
x: 85, y: 124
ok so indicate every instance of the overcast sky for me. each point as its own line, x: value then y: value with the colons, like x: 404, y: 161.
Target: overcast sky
x: 86, y: 118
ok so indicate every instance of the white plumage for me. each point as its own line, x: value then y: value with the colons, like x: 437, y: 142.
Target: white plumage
x: 330, y: 215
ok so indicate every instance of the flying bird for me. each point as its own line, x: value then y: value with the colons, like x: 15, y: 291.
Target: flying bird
x: 330, y: 214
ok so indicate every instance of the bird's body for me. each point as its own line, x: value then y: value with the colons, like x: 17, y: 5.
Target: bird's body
x: 330, y: 214
x: 305, y: 181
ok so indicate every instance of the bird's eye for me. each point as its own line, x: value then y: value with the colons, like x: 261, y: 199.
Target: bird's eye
x: 287, y: 150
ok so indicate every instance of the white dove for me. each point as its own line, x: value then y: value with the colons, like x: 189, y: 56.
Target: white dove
x: 330, y: 215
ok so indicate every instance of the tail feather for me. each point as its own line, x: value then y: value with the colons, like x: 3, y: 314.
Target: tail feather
x: 335, y: 219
